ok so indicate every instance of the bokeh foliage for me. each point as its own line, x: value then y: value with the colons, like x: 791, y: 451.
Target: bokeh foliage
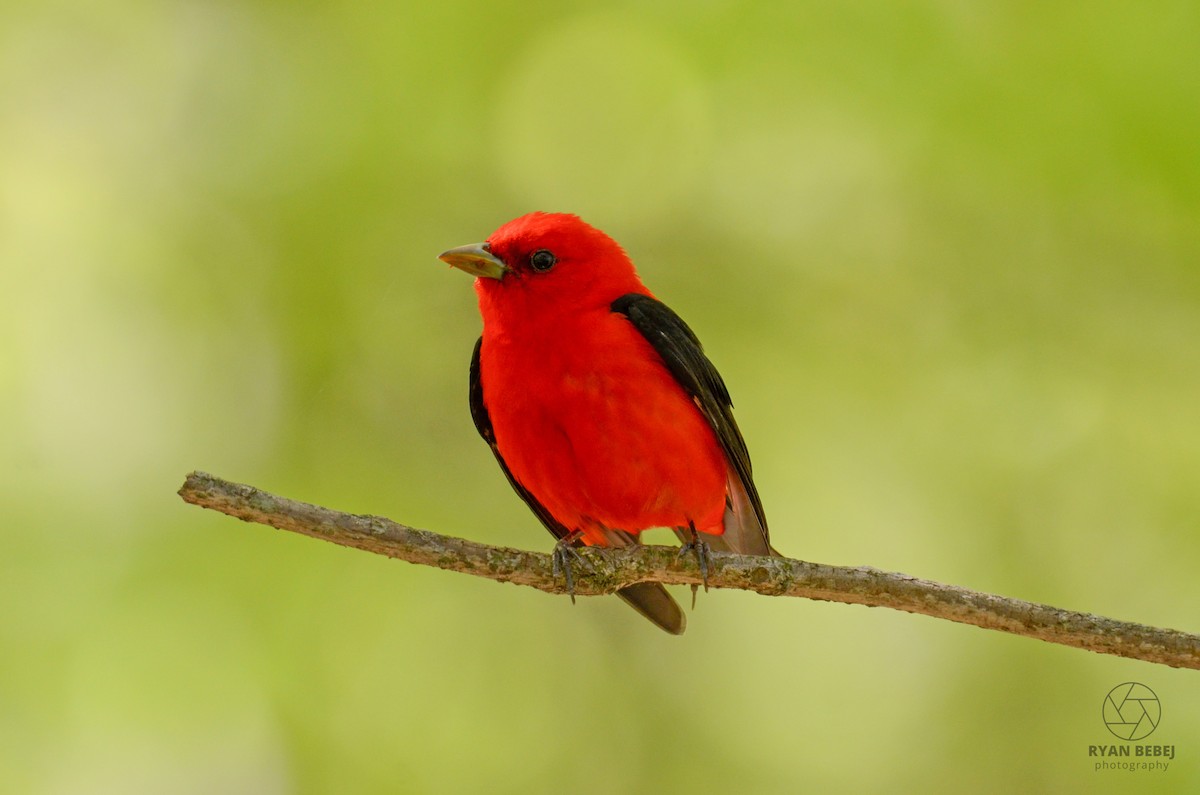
x: 946, y: 254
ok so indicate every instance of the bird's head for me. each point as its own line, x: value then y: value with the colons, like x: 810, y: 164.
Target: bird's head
x: 546, y: 262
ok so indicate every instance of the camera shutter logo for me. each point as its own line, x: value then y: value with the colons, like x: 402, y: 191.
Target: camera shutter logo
x: 1131, y: 711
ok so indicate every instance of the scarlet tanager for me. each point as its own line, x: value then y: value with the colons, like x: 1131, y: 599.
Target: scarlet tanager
x: 599, y: 403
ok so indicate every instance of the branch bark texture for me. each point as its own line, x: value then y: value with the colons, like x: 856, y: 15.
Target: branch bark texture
x: 613, y: 569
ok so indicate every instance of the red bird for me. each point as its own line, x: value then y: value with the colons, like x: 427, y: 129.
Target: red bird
x: 599, y: 403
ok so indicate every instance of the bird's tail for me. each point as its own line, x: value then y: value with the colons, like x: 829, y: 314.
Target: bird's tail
x: 648, y: 598
x: 745, y: 525
x: 652, y: 601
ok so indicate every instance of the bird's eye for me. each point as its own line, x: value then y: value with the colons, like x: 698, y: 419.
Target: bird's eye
x: 542, y: 260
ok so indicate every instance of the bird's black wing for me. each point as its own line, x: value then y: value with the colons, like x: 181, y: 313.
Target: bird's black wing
x: 648, y: 598
x: 745, y: 522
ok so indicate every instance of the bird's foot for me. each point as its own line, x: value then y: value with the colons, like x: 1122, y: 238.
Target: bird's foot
x: 565, y: 557
x: 699, y: 547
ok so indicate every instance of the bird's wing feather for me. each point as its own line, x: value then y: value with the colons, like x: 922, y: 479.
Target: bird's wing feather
x: 745, y: 523
x: 648, y: 598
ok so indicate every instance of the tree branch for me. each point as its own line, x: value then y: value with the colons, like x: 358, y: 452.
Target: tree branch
x: 769, y: 576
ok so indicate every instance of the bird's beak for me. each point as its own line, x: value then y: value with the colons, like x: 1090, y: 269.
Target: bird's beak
x: 476, y: 259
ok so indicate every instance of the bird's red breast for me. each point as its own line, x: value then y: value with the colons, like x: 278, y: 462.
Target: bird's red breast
x: 589, y: 419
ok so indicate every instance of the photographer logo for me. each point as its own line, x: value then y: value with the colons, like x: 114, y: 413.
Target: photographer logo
x: 1132, y: 711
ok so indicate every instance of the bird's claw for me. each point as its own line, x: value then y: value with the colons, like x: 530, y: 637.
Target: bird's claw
x: 563, y: 558
x: 698, y: 547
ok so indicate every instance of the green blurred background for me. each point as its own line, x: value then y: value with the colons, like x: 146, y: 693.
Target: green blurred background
x: 946, y: 254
